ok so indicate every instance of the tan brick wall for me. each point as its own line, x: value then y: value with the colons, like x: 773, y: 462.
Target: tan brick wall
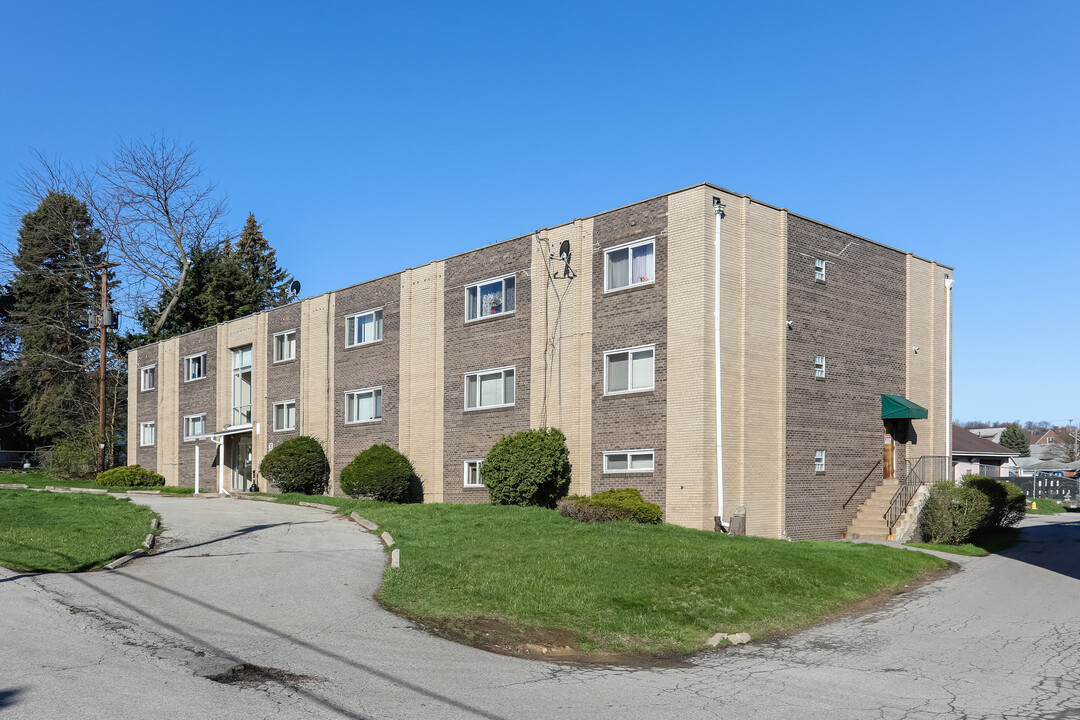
x: 133, y: 407
x: 316, y: 335
x: 168, y: 425
x: 421, y: 368
x: 691, y: 384
x: 561, y: 354
x: 926, y: 370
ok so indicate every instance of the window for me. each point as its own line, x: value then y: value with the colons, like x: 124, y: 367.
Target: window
x: 147, y: 377
x: 629, y: 265
x: 491, y: 297
x: 819, y: 366
x: 489, y: 388
x: 363, y: 328
x: 628, y: 461
x: 241, y: 385
x: 363, y: 405
x: 472, y: 473
x: 195, y: 367
x: 819, y: 461
x: 819, y: 269
x: 194, y: 425
x: 628, y: 370
x: 285, y: 415
x: 146, y: 434
x: 285, y: 346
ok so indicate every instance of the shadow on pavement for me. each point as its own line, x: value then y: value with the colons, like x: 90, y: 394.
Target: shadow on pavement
x: 1052, y: 546
x: 8, y: 697
x: 239, y: 533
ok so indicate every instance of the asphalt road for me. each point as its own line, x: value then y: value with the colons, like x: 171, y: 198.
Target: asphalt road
x: 289, y: 589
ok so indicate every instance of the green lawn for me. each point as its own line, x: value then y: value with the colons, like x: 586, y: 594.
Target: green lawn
x: 1044, y: 506
x: 982, y: 544
x: 618, y: 587
x: 67, y: 532
x: 40, y: 480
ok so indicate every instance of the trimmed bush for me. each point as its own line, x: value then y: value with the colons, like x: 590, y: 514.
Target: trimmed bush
x: 1008, y: 503
x: 618, y: 504
x: 380, y: 473
x: 130, y: 476
x: 531, y: 467
x: 75, y: 456
x: 952, y: 513
x: 298, y: 465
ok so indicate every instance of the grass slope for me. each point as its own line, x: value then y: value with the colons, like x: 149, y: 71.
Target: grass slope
x: 1045, y: 506
x: 53, y: 532
x: 618, y: 587
x: 41, y: 480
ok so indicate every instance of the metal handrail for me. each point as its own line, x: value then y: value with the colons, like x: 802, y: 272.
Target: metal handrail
x: 935, y: 470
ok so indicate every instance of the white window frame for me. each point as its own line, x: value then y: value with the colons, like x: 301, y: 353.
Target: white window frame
x: 355, y: 317
x: 479, y: 475
x: 651, y: 240
x: 477, y: 285
x: 819, y: 461
x: 188, y: 437
x: 273, y: 416
x: 362, y: 391
x: 819, y: 269
x: 819, y: 366
x: 283, y: 334
x: 628, y: 351
x: 502, y: 386
x: 628, y: 453
x: 147, y: 371
x: 143, y: 426
x: 187, y: 367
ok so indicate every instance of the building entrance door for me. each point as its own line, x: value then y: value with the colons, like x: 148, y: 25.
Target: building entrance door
x: 240, y: 462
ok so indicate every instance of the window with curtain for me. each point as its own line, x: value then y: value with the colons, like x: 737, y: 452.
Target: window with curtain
x: 489, y: 388
x: 629, y: 370
x: 630, y: 265
x: 363, y: 328
x: 363, y: 405
x: 492, y: 297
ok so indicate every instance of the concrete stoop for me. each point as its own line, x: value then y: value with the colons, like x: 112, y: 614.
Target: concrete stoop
x: 869, y: 522
x: 909, y: 522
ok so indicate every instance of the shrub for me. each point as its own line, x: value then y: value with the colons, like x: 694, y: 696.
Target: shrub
x: 74, y: 457
x: 130, y: 476
x: 952, y: 513
x: 619, y: 504
x: 380, y: 473
x: 1015, y: 504
x: 531, y: 467
x: 1008, y: 503
x: 298, y: 465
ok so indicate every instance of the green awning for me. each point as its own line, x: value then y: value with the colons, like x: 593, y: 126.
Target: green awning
x: 897, y: 407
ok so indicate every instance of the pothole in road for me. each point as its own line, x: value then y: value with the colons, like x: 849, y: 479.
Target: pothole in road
x: 251, y: 676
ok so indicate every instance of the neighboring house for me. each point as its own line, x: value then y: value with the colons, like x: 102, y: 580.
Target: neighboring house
x: 974, y: 455
x: 1049, y: 438
x: 819, y: 335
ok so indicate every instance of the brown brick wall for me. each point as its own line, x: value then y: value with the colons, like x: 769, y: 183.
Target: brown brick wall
x: 497, y: 341
x: 856, y: 320
x: 282, y: 378
x: 146, y: 411
x: 197, y: 396
x: 628, y: 318
x: 364, y: 366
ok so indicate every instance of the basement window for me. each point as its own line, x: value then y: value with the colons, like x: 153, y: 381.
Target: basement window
x: 628, y: 461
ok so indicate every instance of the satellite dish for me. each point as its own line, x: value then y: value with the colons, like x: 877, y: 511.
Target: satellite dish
x: 295, y: 288
x: 564, y: 250
x: 564, y: 255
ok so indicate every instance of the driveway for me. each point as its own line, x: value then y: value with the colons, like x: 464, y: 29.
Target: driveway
x: 286, y: 592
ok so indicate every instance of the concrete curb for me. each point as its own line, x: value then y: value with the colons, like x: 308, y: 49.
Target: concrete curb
x: 127, y: 558
x: 14, y: 486
x: 320, y: 506
x: 387, y: 540
x: 395, y: 558
x: 366, y: 524
x: 149, y: 541
x: 155, y: 524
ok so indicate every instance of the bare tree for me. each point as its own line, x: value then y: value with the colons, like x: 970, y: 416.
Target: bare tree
x: 152, y: 205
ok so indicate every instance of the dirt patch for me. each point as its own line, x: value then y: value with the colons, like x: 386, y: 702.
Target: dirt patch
x: 253, y: 676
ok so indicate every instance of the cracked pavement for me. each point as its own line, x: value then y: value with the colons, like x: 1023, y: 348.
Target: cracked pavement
x: 287, y: 591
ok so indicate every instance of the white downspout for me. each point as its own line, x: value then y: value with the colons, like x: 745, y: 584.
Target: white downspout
x: 948, y: 368
x: 196, y: 467
x: 718, y: 209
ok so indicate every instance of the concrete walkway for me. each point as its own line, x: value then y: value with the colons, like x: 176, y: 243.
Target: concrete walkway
x: 289, y: 589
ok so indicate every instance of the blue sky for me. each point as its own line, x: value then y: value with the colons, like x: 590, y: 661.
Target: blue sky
x: 369, y: 137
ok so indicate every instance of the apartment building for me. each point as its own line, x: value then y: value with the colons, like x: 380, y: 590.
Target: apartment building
x: 714, y: 351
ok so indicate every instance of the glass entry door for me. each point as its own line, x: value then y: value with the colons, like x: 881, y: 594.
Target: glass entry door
x: 240, y: 462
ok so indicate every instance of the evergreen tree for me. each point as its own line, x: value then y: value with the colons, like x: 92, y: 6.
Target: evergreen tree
x: 53, y: 288
x: 269, y: 284
x: 1016, y: 439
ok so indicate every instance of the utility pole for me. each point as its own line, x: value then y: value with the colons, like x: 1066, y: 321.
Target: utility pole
x: 107, y: 319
